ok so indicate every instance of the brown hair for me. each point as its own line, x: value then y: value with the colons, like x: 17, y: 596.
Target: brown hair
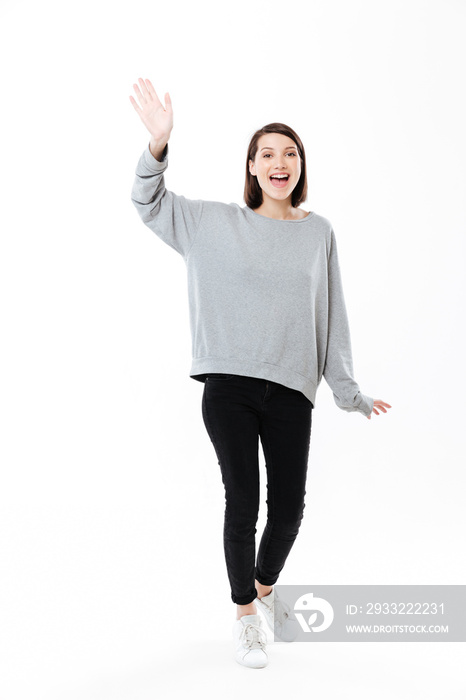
x: 252, y: 190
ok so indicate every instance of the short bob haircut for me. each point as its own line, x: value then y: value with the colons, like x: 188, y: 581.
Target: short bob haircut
x: 252, y: 190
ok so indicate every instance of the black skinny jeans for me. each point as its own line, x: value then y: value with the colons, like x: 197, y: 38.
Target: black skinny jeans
x: 237, y: 410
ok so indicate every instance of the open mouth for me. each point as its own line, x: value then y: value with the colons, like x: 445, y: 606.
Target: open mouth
x: 279, y: 180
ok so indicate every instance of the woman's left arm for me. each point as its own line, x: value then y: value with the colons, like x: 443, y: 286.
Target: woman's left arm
x: 338, y: 369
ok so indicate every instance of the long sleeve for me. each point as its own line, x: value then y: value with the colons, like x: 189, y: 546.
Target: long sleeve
x: 174, y: 218
x: 338, y: 369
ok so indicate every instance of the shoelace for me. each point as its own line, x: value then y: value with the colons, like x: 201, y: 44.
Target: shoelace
x: 253, y: 636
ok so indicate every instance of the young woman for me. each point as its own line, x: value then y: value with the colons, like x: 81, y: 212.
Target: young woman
x: 268, y: 321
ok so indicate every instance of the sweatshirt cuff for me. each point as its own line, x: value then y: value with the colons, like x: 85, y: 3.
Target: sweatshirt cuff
x: 365, y: 404
x: 362, y: 403
x: 152, y: 163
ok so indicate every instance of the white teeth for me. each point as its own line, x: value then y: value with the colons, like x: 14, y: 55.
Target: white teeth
x: 280, y: 177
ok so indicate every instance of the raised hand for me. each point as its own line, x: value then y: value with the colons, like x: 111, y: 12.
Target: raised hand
x: 378, y: 403
x: 157, y: 118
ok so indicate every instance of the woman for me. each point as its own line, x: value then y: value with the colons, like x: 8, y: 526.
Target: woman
x: 268, y: 320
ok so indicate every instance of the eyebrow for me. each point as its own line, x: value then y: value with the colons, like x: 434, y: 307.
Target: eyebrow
x: 269, y: 148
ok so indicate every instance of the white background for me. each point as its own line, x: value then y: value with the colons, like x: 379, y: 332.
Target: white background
x: 113, y: 582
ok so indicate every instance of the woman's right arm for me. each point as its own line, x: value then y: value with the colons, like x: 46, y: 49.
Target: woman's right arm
x: 172, y: 217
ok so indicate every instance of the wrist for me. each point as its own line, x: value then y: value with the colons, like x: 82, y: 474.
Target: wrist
x: 157, y: 148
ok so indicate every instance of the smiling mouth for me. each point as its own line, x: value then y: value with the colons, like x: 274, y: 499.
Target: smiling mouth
x: 279, y: 181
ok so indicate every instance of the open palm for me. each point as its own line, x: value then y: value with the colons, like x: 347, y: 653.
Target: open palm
x: 157, y: 118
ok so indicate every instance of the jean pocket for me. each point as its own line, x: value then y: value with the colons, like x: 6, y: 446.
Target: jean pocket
x: 217, y: 376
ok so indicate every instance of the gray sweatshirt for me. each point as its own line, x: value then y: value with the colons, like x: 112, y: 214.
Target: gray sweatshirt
x: 265, y: 296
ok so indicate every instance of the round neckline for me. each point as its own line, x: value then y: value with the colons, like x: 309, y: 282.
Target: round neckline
x: 281, y: 221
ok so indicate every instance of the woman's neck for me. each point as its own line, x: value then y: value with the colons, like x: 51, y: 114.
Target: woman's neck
x: 283, y: 211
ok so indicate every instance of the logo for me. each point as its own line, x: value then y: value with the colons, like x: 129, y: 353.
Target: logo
x: 308, y: 603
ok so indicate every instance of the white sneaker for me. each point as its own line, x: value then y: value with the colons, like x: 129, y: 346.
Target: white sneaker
x: 250, y: 642
x: 278, y: 616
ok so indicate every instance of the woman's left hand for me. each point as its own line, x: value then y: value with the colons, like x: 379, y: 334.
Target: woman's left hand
x: 378, y: 403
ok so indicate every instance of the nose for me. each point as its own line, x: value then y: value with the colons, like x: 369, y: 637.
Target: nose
x: 281, y: 162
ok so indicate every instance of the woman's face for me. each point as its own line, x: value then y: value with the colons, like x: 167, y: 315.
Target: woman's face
x: 276, y: 154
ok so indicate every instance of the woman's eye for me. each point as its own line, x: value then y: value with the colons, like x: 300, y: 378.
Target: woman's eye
x: 291, y: 153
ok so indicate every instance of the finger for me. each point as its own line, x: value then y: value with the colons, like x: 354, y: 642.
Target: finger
x: 168, y: 102
x: 142, y: 99
x: 150, y: 87
x: 152, y: 92
x: 144, y: 89
x: 135, y: 104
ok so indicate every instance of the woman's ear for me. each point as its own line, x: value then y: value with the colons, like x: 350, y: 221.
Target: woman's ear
x: 252, y: 167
